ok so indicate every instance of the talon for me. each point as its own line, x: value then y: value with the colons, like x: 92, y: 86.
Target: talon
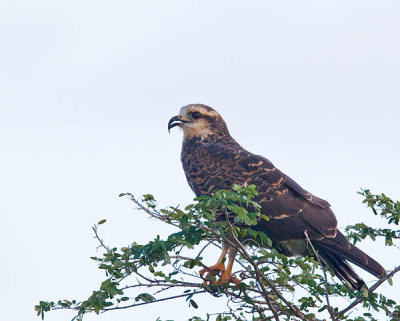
x: 235, y: 280
x: 202, y: 271
x: 212, y: 271
x: 218, y: 267
x: 225, y: 277
x: 215, y: 269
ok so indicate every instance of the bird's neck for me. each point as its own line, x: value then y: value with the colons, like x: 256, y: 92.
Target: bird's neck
x: 197, y: 141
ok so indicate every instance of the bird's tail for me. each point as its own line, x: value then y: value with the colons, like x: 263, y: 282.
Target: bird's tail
x: 336, y: 251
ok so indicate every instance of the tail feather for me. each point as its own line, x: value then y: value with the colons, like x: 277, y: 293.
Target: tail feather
x: 347, y: 251
x: 336, y: 251
x: 342, y: 269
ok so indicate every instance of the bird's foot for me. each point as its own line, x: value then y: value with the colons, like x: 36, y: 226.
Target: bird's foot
x: 227, y: 277
x: 213, y: 271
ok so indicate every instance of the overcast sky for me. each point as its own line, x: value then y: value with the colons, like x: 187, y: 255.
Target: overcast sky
x: 87, y: 89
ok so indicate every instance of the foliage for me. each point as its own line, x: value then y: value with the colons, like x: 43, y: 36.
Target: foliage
x: 272, y: 287
x: 386, y: 208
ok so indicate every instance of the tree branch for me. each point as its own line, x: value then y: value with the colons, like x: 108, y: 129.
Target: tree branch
x: 155, y: 301
x: 330, y: 310
x: 370, y: 290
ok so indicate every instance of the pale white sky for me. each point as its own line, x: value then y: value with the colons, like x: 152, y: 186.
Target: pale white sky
x: 87, y: 89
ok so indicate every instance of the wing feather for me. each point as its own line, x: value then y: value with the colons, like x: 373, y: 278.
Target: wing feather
x: 211, y: 166
x: 291, y: 207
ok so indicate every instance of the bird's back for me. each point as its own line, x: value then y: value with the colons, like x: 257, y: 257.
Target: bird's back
x: 213, y: 160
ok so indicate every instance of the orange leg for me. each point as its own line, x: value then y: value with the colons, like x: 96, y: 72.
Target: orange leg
x: 216, y: 268
x: 226, y: 275
x: 220, y: 263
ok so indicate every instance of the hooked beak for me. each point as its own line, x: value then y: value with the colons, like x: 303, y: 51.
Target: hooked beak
x: 176, y: 121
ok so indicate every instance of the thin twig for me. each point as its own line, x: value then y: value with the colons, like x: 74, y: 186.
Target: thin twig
x: 96, y: 236
x: 163, y: 284
x: 370, y: 290
x: 330, y: 310
x: 204, y: 247
x: 154, y: 214
x: 155, y: 301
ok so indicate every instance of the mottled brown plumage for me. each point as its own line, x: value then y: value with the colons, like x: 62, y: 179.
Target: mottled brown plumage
x: 213, y: 160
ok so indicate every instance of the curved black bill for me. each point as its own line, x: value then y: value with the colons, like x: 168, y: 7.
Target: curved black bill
x: 174, y: 121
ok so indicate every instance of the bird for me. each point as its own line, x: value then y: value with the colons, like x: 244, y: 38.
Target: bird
x: 212, y: 160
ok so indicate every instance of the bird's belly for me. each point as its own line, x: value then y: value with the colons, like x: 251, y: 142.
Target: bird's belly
x: 294, y: 247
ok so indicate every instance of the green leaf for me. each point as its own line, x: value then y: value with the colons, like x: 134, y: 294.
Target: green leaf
x: 236, y: 188
x: 193, y: 304
x: 102, y: 222
x: 145, y: 297
x: 148, y: 197
x: 265, y: 217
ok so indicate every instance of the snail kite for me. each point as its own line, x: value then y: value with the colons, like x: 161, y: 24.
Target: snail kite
x: 213, y: 160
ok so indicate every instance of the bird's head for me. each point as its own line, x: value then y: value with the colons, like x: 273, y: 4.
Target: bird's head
x: 199, y: 120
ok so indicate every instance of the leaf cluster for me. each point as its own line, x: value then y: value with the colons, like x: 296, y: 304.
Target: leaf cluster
x: 382, y: 206
x: 273, y: 286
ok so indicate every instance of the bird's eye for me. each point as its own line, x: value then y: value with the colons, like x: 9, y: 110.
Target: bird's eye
x: 196, y: 115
